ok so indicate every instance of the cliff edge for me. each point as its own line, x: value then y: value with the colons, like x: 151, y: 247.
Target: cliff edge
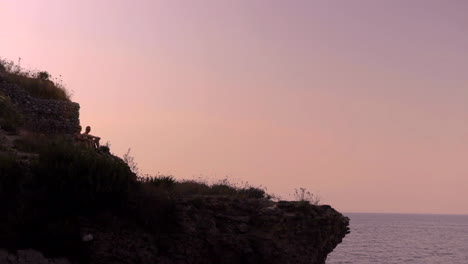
x: 62, y: 203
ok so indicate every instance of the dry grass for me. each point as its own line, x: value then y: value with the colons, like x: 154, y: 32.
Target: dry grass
x: 37, y: 83
x: 225, y: 187
x: 305, y: 196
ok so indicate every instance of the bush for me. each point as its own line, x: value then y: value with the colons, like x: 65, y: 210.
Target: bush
x: 41, y: 202
x: 43, y: 75
x: 161, y: 180
x: 252, y: 192
x: 167, y: 184
x: 304, y: 196
x: 81, y: 178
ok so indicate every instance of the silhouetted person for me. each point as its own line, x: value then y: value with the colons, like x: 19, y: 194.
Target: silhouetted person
x: 81, y: 139
x: 93, y: 140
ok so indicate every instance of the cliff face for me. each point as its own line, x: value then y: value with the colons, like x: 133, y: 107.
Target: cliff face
x: 226, y: 230
x: 192, y: 229
x: 221, y: 229
x: 213, y: 230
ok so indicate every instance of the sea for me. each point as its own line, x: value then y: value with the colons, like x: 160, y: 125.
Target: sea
x: 403, y: 238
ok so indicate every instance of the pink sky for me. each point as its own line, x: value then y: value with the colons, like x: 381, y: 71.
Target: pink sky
x: 363, y: 102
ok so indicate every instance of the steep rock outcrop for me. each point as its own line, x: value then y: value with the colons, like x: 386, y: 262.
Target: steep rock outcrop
x: 220, y: 229
x: 203, y: 229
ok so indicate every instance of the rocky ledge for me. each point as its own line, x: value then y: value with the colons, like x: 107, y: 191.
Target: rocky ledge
x: 213, y: 230
x: 209, y: 230
x: 163, y: 226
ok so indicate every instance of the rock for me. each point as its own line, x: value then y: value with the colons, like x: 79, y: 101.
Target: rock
x: 229, y: 231
x: 203, y: 229
x: 243, y: 228
x: 87, y: 238
x: 28, y: 256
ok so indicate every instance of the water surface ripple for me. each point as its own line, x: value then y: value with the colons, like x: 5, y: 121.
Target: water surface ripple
x: 404, y: 238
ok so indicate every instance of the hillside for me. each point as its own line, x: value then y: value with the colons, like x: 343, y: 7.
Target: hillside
x: 62, y: 202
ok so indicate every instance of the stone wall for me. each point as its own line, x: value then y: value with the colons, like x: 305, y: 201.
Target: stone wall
x: 43, y: 115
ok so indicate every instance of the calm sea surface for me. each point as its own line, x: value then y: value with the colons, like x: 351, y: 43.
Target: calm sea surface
x: 400, y: 238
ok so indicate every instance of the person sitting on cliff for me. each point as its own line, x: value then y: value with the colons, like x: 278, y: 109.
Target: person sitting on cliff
x: 79, y: 137
x: 94, y: 141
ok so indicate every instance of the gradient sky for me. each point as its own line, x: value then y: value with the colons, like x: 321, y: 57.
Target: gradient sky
x: 363, y: 102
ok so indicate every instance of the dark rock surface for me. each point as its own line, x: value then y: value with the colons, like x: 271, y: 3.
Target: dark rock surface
x: 219, y: 229
x: 28, y: 256
x: 204, y: 229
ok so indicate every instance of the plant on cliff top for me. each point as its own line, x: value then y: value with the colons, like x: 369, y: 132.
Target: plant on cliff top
x: 37, y: 83
x: 304, y: 196
x: 43, y: 75
x: 132, y: 164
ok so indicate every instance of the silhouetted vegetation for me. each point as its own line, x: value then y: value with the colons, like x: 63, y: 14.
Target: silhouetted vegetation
x: 43, y: 200
x: 304, y: 196
x: 82, y: 178
x: 171, y: 187
x: 37, y: 83
x: 161, y: 180
x: 10, y: 118
x: 44, y: 196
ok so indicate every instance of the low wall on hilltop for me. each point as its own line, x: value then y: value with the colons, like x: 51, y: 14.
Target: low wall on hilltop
x: 44, y: 115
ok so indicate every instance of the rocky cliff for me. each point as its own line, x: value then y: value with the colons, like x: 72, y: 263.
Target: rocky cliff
x: 165, y: 226
x: 222, y: 229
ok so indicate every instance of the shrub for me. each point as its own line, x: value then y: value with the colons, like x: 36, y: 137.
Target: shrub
x: 43, y: 75
x: 81, y: 178
x: 41, y: 203
x: 304, y: 196
x: 161, y: 180
x: 253, y: 192
x: 222, y: 187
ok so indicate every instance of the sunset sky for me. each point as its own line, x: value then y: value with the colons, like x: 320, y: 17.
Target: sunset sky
x: 363, y: 102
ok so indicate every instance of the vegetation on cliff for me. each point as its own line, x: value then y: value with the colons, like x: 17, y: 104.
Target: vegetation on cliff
x: 56, y: 193
x: 37, y: 83
x: 45, y: 196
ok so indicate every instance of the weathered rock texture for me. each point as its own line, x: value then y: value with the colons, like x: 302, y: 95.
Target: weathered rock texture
x: 204, y: 229
x: 214, y: 229
x: 44, y: 115
x: 28, y: 256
